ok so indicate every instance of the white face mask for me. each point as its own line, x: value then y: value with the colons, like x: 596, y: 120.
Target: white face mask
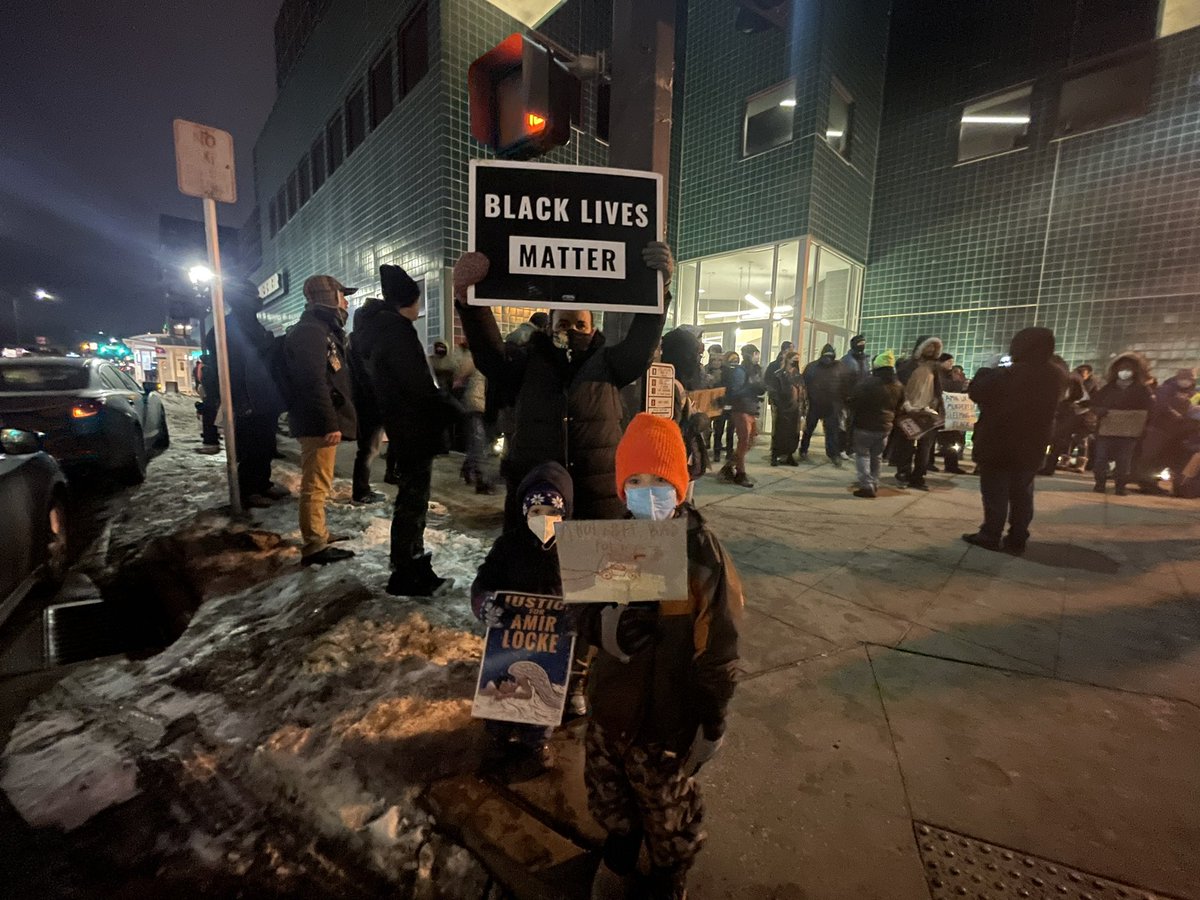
x: 543, y: 528
x: 1124, y: 374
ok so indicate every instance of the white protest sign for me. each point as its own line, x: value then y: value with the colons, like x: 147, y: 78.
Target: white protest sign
x: 623, y: 560
x: 204, y: 162
x: 660, y: 390
x: 960, y: 412
x: 565, y: 237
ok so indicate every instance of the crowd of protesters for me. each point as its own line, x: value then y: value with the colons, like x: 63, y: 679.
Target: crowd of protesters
x: 654, y: 679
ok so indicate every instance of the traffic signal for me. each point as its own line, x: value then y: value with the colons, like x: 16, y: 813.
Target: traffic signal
x: 522, y: 98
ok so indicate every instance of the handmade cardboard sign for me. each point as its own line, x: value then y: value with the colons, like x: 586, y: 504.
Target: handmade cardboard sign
x: 1127, y: 423
x: 565, y: 237
x: 526, y: 662
x: 960, y: 412
x: 623, y: 560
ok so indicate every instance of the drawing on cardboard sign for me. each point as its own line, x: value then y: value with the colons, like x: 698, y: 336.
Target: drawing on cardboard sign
x: 623, y: 561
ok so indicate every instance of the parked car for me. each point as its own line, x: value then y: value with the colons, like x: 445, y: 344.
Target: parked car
x: 33, y: 495
x: 89, y: 411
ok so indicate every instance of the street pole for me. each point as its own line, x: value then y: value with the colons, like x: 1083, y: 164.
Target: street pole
x: 643, y: 71
x: 16, y: 322
x: 218, y: 297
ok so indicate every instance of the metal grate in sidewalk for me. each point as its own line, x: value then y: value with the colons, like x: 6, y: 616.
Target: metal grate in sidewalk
x: 957, y: 866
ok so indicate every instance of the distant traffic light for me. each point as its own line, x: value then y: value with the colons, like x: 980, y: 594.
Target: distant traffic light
x: 522, y: 98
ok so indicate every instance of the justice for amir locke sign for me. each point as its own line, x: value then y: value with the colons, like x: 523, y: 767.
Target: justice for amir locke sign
x: 565, y: 237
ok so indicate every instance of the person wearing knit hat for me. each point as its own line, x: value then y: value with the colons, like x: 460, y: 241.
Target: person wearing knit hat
x: 743, y: 395
x: 523, y: 559
x: 415, y: 413
x: 321, y: 410
x: 660, y: 683
x: 873, y: 406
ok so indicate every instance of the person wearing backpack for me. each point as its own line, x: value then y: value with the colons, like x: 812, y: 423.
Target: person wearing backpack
x: 320, y: 407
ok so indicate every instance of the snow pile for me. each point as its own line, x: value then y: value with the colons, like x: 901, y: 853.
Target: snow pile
x: 285, y: 739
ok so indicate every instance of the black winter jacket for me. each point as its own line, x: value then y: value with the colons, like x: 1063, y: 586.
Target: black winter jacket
x: 568, y: 411
x: 1113, y: 396
x: 251, y: 380
x: 321, y: 398
x: 414, y: 410
x: 876, y: 401
x: 1017, y: 403
x: 517, y: 560
x: 365, y: 404
x: 684, y: 678
x: 744, y: 388
x: 826, y: 381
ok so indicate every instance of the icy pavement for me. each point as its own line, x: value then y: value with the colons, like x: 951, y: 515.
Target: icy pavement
x: 301, y: 699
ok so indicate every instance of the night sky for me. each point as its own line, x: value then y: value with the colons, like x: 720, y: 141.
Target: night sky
x: 87, y: 94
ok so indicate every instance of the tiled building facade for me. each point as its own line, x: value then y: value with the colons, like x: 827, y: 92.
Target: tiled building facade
x: 805, y: 200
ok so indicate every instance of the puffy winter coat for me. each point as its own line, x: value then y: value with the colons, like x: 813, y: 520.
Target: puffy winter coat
x: 684, y: 679
x: 876, y: 401
x: 321, y: 398
x: 744, y: 388
x: 414, y: 410
x: 360, y: 376
x: 567, y: 409
x: 826, y: 381
x: 1017, y: 403
x: 857, y: 367
x: 475, y: 386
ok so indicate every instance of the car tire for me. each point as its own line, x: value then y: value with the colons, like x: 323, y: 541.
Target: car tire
x: 134, y: 470
x: 163, y: 441
x: 57, y: 539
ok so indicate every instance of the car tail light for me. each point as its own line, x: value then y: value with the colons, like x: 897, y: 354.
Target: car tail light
x: 85, y: 409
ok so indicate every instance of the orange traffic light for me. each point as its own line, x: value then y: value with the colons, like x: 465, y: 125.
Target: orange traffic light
x: 522, y: 98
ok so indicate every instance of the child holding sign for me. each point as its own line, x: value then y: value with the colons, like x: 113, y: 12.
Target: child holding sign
x: 660, y: 683
x: 524, y: 560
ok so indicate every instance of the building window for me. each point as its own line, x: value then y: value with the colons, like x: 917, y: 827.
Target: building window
x: 997, y: 124
x: 1104, y: 94
x: 303, y: 171
x: 414, y: 50
x: 333, y: 140
x: 769, y: 119
x: 841, y: 120
x: 356, y: 120
x: 281, y: 206
x: 381, y: 88
x: 272, y: 217
x: 317, y: 154
x: 292, y: 205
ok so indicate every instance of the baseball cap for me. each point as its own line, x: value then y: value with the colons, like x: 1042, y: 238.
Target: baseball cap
x: 322, y: 290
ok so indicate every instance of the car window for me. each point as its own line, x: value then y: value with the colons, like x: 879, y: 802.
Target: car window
x: 108, y: 377
x: 127, y: 380
x: 26, y: 377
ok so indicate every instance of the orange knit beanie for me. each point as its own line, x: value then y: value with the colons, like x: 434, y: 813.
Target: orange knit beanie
x: 653, y: 445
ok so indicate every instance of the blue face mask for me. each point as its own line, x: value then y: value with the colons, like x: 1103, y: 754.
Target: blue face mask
x: 657, y: 503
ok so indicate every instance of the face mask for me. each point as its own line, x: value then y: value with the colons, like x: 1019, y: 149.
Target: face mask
x: 860, y: 348
x: 1124, y: 375
x: 439, y: 351
x: 657, y: 503
x: 543, y: 528
x: 343, y: 315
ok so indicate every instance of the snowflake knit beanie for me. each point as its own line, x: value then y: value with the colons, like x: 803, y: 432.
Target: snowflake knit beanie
x: 654, y: 445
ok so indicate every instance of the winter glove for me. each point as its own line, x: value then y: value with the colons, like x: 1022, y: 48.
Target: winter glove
x: 701, y: 752
x: 491, y: 611
x: 656, y: 255
x: 470, y: 269
x: 625, y: 630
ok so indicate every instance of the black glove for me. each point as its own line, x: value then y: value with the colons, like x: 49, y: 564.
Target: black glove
x: 627, y: 629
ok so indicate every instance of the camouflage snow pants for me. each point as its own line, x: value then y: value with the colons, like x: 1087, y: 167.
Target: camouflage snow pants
x: 632, y: 788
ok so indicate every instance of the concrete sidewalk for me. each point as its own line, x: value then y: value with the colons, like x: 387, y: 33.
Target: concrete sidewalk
x: 918, y: 718
x: 914, y: 710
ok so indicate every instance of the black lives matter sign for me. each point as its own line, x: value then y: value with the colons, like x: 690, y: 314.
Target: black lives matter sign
x: 565, y: 237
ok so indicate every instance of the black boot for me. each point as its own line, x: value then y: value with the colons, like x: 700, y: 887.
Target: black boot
x: 416, y: 580
x: 667, y: 883
x: 774, y: 460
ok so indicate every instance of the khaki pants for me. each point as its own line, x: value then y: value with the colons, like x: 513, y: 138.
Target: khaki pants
x: 316, y: 481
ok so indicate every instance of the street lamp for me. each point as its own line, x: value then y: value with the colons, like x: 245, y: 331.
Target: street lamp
x: 199, y: 274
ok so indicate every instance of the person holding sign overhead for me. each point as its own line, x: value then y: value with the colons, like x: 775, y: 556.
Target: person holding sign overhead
x: 567, y: 385
x: 660, y: 684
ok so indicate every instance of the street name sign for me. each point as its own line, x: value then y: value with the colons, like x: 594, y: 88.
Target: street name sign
x: 204, y: 162
x: 565, y: 237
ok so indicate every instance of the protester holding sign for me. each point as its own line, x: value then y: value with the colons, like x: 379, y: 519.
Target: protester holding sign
x: 1017, y: 399
x: 567, y: 385
x: 660, y: 684
x: 916, y: 427
x: 524, y: 559
x: 951, y: 438
x: 1125, y: 397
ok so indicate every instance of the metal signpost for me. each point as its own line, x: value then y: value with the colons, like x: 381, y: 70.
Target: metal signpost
x: 204, y: 168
